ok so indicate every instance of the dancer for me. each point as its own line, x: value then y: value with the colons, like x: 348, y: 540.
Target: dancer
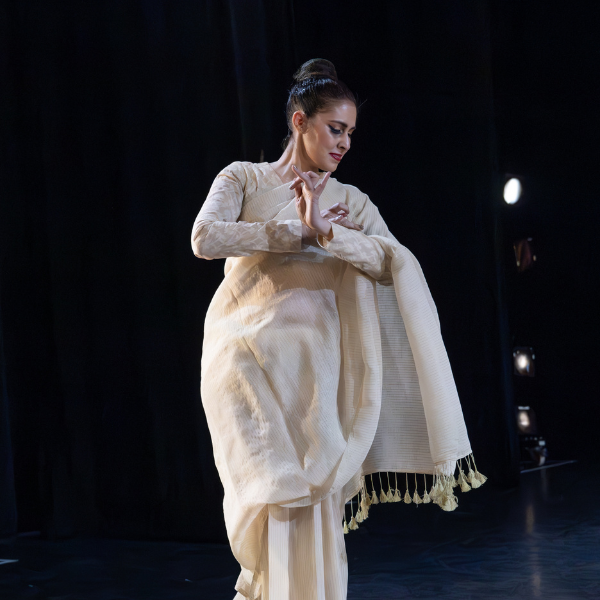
x: 324, y: 374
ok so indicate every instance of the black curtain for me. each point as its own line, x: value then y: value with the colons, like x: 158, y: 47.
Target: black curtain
x: 546, y: 62
x: 116, y: 118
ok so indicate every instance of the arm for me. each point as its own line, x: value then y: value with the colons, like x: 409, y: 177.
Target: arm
x: 362, y: 248
x: 218, y: 234
x: 365, y: 249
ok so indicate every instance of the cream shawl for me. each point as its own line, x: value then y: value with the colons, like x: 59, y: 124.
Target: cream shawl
x: 322, y: 363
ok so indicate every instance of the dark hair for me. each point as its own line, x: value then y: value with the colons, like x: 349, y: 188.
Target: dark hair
x: 315, y: 88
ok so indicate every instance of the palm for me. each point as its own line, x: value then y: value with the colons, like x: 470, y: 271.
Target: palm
x: 308, y: 191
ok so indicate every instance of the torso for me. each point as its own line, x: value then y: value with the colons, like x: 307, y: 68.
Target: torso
x: 276, y: 313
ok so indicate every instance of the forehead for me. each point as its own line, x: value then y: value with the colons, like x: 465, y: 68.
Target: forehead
x: 341, y: 111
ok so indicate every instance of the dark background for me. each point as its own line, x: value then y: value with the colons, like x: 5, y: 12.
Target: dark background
x: 116, y: 117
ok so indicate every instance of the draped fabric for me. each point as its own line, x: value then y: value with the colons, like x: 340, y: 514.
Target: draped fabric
x: 322, y: 362
x: 302, y: 554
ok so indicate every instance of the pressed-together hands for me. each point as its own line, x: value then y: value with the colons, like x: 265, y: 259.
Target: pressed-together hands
x: 308, y: 191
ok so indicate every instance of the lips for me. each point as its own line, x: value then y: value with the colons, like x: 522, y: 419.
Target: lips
x: 337, y: 157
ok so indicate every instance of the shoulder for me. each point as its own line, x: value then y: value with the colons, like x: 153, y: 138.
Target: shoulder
x: 355, y: 198
x: 353, y: 192
x: 236, y: 176
x: 250, y: 176
x: 363, y: 211
x: 237, y: 171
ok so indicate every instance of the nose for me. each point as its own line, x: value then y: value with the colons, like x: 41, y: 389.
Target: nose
x: 344, y: 143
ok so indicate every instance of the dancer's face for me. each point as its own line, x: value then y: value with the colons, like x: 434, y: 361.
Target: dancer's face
x: 325, y: 138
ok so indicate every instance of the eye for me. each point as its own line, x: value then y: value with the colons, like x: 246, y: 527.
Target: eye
x: 335, y: 130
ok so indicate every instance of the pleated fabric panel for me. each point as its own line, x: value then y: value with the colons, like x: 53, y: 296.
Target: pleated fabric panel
x: 305, y: 554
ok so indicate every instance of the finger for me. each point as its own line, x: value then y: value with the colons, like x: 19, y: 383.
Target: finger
x: 298, y: 191
x: 349, y: 224
x: 323, y: 183
x: 303, y: 176
x: 340, y: 206
x: 330, y: 213
x: 294, y: 183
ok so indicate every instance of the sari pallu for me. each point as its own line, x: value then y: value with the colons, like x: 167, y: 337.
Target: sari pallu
x: 323, y: 363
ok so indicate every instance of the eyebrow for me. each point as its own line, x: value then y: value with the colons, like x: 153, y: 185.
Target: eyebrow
x: 341, y: 123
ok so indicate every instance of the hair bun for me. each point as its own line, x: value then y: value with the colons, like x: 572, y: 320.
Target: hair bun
x: 316, y: 68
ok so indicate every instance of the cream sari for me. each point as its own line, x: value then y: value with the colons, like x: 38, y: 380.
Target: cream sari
x: 322, y: 363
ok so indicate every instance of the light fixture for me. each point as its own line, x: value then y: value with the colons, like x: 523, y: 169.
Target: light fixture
x: 526, y: 421
x: 512, y: 190
x: 524, y: 254
x: 533, y: 445
x: 523, y: 360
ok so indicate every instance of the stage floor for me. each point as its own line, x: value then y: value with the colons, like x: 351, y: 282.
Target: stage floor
x: 540, y: 540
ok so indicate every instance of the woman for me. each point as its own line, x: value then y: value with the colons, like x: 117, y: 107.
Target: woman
x: 322, y: 359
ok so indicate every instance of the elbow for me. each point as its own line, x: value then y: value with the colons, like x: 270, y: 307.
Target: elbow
x: 196, y: 250
x: 199, y: 246
x: 199, y: 250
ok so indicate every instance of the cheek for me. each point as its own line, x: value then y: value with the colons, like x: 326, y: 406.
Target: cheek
x: 326, y: 140
x: 319, y: 142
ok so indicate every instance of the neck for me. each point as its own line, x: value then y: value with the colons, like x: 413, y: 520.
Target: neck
x: 293, y: 155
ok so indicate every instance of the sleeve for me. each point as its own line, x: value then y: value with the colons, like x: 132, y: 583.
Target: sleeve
x: 361, y: 248
x: 218, y: 234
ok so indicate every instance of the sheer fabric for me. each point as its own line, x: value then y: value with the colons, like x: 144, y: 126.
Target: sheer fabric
x: 303, y: 554
x: 321, y: 362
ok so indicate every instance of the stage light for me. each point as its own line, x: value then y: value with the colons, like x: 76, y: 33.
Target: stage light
x: 524, y: 254
x: 512, y: 190
x: 523, y: 359
x: 533, y: 445
x: 526, y: 421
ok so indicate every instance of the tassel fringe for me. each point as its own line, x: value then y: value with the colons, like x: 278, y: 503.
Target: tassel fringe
x: 397, y: 497
x: 407, y: 498
x: 441, y: 491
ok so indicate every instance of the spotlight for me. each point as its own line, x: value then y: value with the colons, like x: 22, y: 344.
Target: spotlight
x: 512, y: 190
x: 524, y: 254
x: 533, y: 445
x: 523, y: 359
x: 526, y: 421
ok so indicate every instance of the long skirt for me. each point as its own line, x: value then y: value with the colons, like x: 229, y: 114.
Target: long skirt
x: 304, y: 553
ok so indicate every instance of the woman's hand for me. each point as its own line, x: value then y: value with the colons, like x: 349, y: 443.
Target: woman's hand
x: 308, y: 191
x: 339, y: 213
